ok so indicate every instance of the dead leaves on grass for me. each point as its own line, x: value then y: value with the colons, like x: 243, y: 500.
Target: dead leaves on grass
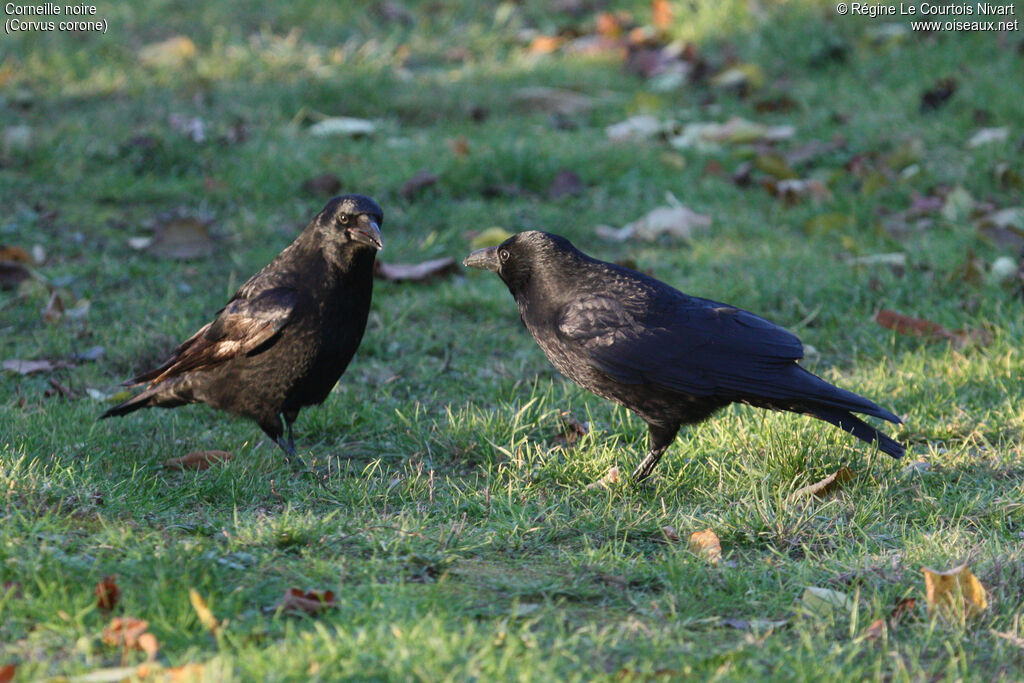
x: 674, y: 220
x: 955, y: 594
x: 107, y: 593
x: 311, y: 602
x: 198, y: 460
x: 705, y: 544
x: 416, y: 272
x: 130, y: 633
x: 919, y: 327
x: 829, y: 484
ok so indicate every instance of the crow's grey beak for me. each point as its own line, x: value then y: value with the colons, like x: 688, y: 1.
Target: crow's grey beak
x: 485, y: 259
x: 368, y: 233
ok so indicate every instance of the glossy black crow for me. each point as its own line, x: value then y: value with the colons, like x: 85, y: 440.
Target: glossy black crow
x: 672, y: 359
x: 287, y: 334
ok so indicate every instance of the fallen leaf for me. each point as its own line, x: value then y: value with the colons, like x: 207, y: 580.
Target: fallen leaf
x: 875, y: 630
x: 735, y: 131
x: 491, y: 237
x: 204, y: 613
x: 741, y: 77
x: 954, y: 594
x: 905, y: 324
x: 706, y: 544
x: 986, y: 136
x: 7, y: 672
x: 346, y: 126
x: 543, y: 45
x: 1004, y: 269
x: 832, y: 482
x: 565, y: 183
x: 610, y: 479
x: 774, y: 165
x: 937, y: 95
x: 418, y: 272
x: 572, y: 429
x: 12, y: 274
x: 124, y: 632
x: 149, y: 645
x: 670, y: 533
x: 325, y: 184
x: 172, y: 52
x: 1004, y: 227
x: 551, y: 100
x: 904, y: 607
x: 16, y: 254
x: 181, y: 235
x: 107, y: 593
x: 28, y: 367
x: 296, y: 601
x: 1011, y: 637
x: 676, y: 221
x: 792, y: 190
x: 957, y: 205
x: 640, y: 127
x: 198, y: 460
x: 420, y: 181
x: 822, y: 602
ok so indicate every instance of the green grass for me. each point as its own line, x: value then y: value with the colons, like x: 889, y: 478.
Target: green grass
x: 461, y: 541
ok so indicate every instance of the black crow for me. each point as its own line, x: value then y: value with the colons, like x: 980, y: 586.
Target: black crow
x: 287, y: 334
x: 672, y: 359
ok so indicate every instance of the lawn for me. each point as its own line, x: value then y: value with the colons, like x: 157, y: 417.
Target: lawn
x: 869, y: 167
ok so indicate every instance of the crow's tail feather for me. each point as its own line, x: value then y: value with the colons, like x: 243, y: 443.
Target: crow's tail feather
x: 156, y: 396
x: 860, y: 429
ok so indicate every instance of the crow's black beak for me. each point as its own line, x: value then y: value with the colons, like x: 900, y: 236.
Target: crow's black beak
x: 368, y: 233
x: 485, y: 259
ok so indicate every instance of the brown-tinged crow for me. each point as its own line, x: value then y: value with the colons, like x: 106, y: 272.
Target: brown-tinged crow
x: 287, y: 334
x: 671, y: 358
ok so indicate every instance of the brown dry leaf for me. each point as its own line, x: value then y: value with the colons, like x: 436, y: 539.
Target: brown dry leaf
x: 181, y: 236
x: 149, y: 645
x: 572, y: 429
x: 420, y: 181
x: 566, y: 182
x: 608, y: 480
x: 832, y: 482
x: 792, y: 190
x: 661, y: 14
x: 16, y: 254
x: 905, y: 324
x: 670, y: 533
x: 198, y: 460
x: 677, y: 221
x: 875, y: 630
x: 7, y: 672
x: 551, y: 100
x: 706, y: 544
x: 28, y: 367
x: 416, y: 272
x: 107, y: 593
x: 608, y: 25
x: 325, y: 184
x: 954, y: 594
x: 309, y: 602
x: 124, y: 632
x: 544, y: 45
x: 12, y: 274
x: 204, y: 613
x: 904, y: 607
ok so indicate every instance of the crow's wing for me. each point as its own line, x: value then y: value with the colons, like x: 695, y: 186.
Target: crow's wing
x: 241, y: 327
x: 681, y: 343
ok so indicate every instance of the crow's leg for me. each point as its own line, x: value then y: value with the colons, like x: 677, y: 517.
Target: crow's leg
x: 289, y: 419
x: 274, y: 428
x: 659, y: 439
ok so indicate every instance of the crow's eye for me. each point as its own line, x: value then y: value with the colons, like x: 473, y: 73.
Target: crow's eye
x: 503, y: 255
x: 343, y: 219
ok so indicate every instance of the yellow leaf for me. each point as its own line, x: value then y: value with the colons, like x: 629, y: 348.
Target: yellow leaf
x: 149, y: 645
x: 706, y: 544
x: 830, y: 483
x: 204, y: 613
x: 954, y: 594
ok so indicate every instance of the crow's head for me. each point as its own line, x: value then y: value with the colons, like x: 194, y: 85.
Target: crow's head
x: 351, y: 220
x: 521, y: 257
